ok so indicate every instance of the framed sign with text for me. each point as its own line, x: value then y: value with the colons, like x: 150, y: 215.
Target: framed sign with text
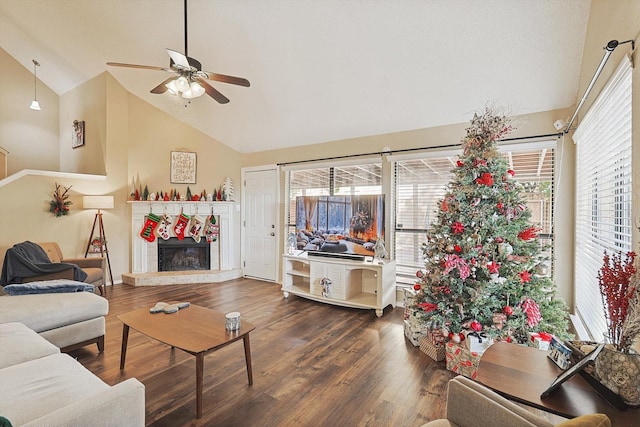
x: 183, y: 167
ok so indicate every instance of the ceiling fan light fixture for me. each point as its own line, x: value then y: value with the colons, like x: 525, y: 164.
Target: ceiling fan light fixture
x: 196, y: 89
x: 171, y: 87
x: 182, y: 83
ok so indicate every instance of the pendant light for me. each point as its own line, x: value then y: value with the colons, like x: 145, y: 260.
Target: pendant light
x: 35, y: 105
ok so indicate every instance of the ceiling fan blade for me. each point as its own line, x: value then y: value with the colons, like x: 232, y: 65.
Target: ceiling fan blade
x: 179, y: 58
x: 212, y: 92
x: 162, y: 88
x: 145, y: 67
x: 228, y: 79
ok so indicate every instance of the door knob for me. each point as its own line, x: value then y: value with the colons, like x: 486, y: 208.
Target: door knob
x: 273, y: 234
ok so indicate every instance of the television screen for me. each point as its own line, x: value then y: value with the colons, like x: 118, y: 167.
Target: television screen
x: 348, y: 225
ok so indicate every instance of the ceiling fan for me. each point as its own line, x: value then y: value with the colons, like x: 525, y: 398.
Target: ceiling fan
x: 188, y: 81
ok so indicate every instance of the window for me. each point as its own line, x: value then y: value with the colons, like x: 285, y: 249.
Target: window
x: 603, y: 192
x: 420, y: 182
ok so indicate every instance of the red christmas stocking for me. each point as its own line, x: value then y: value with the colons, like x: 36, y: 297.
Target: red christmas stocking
x: 181, y: 226
x: 148, y: 231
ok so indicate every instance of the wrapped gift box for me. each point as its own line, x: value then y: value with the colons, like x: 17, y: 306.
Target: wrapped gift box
x: 435, y: 351
x: 436, y: 337
x: 460, y: 360
x: 540, y: 340
x: 413, y: 332
x: 477, y: 342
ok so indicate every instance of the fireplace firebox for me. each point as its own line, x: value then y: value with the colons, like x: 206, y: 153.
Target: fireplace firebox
x: 183, y: 255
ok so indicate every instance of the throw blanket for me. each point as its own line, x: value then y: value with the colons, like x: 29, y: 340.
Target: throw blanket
x: 28, y: 259
x: 48, y: 287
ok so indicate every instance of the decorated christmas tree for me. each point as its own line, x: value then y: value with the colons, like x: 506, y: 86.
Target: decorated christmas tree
x: 484, y: 267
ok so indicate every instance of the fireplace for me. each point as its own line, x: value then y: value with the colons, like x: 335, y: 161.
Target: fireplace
x: 183, y: 255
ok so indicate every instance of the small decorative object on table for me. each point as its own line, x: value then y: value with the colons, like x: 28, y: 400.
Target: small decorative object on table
x: 560, y: 353
x: 232, y: 321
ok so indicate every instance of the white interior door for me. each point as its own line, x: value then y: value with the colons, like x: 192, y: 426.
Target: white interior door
x: 260, y: 224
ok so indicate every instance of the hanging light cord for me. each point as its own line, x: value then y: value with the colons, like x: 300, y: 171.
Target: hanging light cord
x: 35, y: 92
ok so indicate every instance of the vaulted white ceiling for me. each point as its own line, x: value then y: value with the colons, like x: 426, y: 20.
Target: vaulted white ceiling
x: 320, y: 70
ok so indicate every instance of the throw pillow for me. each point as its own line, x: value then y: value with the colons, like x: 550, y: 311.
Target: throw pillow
x: 591, y: 420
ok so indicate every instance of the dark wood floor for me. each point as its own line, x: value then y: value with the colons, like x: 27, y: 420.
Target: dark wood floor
x: 313, y: 364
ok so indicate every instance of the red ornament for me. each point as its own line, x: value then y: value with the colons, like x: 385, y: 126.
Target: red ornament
x: 508, y: 339
x: 419, y: 274
x: 460, y: 163
x: 508, y: 310
x: 417, y: 287
x: 499, y: 239
x: 485, y: 179
x: 444, y: 207
x: 457, y: 248
x: 524, y: 276
x: 511, y: 172
x: 500, y: 206
x: 476, y: 326
x: 493, y: 267
x: 457, y: 227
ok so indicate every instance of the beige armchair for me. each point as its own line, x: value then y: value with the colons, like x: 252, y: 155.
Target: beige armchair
x: 470, y: 404
x: 94, y: 267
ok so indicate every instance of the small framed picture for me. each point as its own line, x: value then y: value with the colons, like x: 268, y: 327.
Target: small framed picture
x: 77, y: 138
x: 183, y: 167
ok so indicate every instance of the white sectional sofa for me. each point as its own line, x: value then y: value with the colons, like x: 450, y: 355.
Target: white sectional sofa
x: 67, y: 320
x: 39, y: 386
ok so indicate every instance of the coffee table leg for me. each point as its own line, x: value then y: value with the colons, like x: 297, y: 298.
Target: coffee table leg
x: 247, y: 357
x: 199, y: 379
x: 125, y: 339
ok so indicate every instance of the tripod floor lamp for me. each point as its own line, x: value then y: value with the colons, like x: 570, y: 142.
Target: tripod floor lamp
x: 99, y: 203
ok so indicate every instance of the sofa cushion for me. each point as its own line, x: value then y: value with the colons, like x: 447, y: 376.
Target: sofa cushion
x: 41, y: 386
x: 20, y: 344
x: 42, y: 312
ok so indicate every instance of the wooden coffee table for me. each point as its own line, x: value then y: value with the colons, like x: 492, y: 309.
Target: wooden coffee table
x: 523, y: 373
x: 194, y: 329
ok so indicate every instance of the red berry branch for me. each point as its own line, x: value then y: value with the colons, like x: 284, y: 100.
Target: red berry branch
x: 614, y: 278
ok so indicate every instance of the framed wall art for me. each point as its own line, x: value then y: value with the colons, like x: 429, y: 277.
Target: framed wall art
x: 77, y: 137
x: 183, y: 167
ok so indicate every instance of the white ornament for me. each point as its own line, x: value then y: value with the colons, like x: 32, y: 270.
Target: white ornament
x: 505, y: 249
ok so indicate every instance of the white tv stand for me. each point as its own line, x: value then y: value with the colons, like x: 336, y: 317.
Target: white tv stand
x: 354, y: 283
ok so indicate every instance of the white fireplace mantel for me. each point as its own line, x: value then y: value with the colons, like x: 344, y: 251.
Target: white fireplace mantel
x: 145, y: 254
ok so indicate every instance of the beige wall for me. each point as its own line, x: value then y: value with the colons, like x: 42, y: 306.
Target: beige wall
x: 88, y: 103
x: 615, y: 20
x: 31, y: 137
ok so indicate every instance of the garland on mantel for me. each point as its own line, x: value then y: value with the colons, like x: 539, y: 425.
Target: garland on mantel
x: 225, y: 192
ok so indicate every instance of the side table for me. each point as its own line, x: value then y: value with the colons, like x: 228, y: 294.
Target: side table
x: 523, y: 373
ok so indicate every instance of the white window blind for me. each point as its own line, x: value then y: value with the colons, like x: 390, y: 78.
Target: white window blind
x: 603, y: 192
x: 421, y: 182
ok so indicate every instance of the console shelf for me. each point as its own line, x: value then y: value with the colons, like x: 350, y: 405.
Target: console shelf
x: 353, y: 283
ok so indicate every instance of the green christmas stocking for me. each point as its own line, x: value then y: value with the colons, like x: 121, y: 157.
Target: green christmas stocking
x: 148, y: 230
